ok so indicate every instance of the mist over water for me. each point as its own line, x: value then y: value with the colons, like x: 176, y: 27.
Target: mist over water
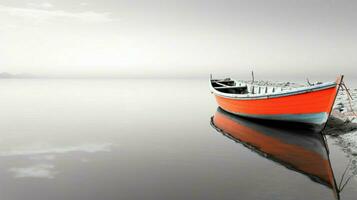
x: 132, y: 139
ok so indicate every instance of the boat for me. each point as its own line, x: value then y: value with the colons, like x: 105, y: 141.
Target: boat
x: 300, y: 150
x: 310, y: 105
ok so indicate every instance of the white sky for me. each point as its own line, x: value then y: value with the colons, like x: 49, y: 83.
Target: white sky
x: 178, y: 38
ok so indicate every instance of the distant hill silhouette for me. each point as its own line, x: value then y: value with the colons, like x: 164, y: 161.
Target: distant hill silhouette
x: 22, y: 75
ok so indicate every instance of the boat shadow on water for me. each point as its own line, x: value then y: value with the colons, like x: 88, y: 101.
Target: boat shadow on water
x: 299, y: 149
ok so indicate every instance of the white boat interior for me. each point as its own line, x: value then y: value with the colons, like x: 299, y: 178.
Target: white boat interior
x: 238, y: 89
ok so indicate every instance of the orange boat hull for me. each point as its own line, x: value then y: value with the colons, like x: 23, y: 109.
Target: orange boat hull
x: 310, y: 107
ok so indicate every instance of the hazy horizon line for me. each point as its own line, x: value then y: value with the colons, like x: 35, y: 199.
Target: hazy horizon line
x: 245, y: 76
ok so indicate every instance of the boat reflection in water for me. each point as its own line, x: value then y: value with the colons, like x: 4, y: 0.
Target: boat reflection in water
x: 296, y: 149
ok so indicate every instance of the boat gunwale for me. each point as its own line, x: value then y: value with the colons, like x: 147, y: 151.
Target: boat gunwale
x: 292, y: 92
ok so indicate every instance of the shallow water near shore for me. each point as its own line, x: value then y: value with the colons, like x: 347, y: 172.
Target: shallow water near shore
x: 109, y: 139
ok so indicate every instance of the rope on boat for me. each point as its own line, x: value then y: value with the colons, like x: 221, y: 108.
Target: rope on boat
x: 350, y: 98
x: 308, y: 82
x: 341, y: 186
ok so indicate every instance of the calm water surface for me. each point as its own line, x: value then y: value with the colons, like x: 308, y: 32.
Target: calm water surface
x: 134, y: 139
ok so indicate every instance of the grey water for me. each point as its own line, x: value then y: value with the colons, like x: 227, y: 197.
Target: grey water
x: 90, y: 139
